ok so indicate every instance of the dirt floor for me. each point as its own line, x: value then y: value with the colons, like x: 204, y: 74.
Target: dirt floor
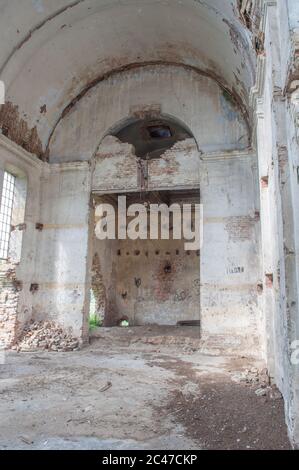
x: 136, y: 388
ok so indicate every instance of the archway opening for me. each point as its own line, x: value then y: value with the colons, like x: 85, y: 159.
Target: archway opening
x: 145, y: 275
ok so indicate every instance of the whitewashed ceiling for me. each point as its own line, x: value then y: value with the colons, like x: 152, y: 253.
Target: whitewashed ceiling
x: 51, y: 50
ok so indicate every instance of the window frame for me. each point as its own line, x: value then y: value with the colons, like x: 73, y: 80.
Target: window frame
x: 6, y: 213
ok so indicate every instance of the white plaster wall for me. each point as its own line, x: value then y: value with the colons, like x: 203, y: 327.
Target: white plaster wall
x: 293, y: 151
x: 284, y: 38
x: 230, y: 268
x: 293, y: 14
x: 293, y: 320
x: 63, y: 245
x: 278, y: 160
x: 270, y: 148
x: 1, y: 181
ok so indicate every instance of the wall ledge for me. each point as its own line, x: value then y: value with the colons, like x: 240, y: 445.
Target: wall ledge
x: 14, y: 149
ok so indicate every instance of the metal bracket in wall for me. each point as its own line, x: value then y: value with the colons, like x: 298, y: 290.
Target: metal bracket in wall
x: 34, y: 288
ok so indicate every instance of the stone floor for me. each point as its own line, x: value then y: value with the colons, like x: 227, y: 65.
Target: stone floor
x: 139, y: 388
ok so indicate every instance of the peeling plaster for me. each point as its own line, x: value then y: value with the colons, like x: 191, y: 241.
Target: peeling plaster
x: 15, y: 128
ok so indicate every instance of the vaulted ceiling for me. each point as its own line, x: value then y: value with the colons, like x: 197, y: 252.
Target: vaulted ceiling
x: 52, y: 50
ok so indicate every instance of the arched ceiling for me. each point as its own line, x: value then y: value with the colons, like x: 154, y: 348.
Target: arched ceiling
x: 52, y: 50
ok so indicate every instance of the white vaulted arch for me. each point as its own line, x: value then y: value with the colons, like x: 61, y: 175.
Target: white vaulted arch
x: 57, y: 50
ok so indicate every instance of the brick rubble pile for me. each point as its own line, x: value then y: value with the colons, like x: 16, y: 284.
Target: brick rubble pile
x: 46, y: 336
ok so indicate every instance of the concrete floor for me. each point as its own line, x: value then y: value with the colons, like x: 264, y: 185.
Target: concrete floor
x: 140, y: 388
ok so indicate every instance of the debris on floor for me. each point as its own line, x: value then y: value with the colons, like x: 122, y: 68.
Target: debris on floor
x: 253, y: 376
x: 260, y: 380
x: 46, y: 336
x: 271, y: 392
x: 26, y: 440
x: 117, y: 393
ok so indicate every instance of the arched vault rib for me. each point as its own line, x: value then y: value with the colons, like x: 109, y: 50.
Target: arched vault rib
x: 36, y: 28
x: 75, y: 45
x: 234, y: 97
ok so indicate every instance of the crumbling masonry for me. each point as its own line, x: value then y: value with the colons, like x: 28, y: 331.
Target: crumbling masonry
x: 221, y: 81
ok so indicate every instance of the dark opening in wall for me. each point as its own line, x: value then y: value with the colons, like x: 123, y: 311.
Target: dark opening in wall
x: 159, y: 132
x: 152, y: 137
x: 167, y: 268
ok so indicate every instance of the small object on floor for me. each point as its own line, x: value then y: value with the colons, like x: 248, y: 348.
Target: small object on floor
x: 124, y: 322
x: 261, y: 392
x: 26, y: 440
x: 106, y: 387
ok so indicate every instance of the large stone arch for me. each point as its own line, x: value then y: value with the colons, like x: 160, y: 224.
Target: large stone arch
x: 152, y: 90
x: 63, y: 48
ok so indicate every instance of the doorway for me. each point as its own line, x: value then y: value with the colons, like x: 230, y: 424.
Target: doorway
x: 154, y: 280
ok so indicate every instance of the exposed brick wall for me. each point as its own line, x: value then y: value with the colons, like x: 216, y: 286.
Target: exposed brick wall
x: 116, y: 166
x: 98, y: 287
x: 153, y: 282
x: 9, y: 297
x: 240, y: 228
x: 177, y: 166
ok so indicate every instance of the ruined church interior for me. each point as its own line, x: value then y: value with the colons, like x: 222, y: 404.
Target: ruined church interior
x: 174, y: 102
